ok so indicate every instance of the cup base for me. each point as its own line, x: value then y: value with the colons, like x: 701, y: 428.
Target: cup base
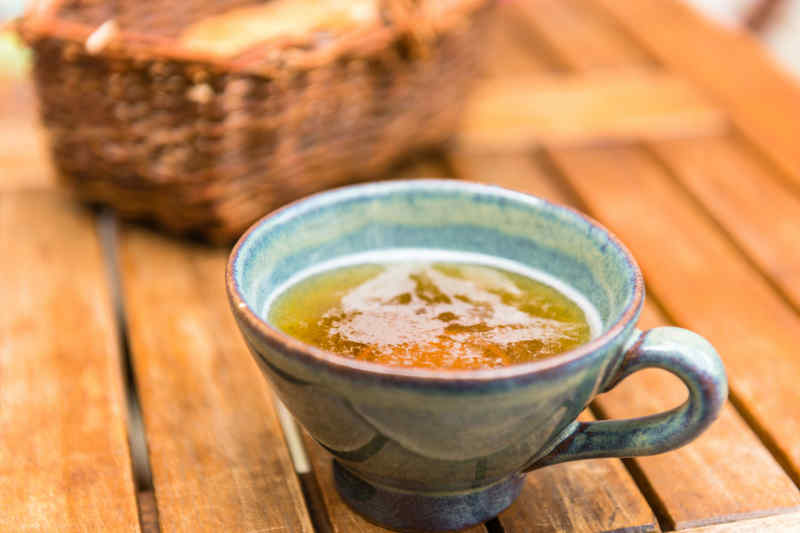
x: 407, y: 511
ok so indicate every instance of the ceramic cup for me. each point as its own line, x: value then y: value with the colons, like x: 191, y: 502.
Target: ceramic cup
x: 419, y: 449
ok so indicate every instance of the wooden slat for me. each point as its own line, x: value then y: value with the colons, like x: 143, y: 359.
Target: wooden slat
x: 763, y: 100
x: 589, y: 496
x: 510, y: 47
x: 218, y: 458
x: 148, y: 515
x: 684, y: 495
x: 525, y: 102
x: 745, y: 197
x: 577, y: 37
x: 559, y: 498
x: 514, y: 171
x: 692, y: 485
x: 64, y: 462
x: 518, y: 112
x: 787, y: 523
x: 24, y: 157
x: 565, y: 497
x: 729, y: 179
x: 343, y: 520
x: 702, y: 280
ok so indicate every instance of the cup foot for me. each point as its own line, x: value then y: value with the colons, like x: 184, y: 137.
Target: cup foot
x: 406, y: 511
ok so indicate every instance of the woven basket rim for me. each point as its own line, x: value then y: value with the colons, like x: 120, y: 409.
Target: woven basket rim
x: 38, y: 23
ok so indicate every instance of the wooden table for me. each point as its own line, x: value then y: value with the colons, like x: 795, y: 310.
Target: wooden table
x: 680, y: 136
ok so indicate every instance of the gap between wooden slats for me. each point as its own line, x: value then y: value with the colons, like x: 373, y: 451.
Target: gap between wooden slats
x: 142, y: 475
x: 762, y: 99
x: 745, y: 199
x: 148, y: 508
x: 564, y: 497
x: 310, y: 460
x: 689, y: 486
x: 731, y: 505
x: 513, y: 112
x: 705, y: 284
x: 218, y: 456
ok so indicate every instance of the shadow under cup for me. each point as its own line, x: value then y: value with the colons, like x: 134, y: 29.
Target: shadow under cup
x: 438, y: 449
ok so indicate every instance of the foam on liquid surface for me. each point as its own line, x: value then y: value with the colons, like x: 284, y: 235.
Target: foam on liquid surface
x: 442, y: 310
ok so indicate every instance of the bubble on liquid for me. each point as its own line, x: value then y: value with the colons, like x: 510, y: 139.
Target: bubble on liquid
x: 421, y: 315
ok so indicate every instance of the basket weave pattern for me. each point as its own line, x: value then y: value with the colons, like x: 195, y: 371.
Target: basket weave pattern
x: 202, y: 147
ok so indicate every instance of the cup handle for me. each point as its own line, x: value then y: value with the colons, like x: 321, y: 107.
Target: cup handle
x: 687, y: 355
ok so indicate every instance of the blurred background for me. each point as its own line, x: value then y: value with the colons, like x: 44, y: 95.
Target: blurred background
x: 12, y: 56
x: 677, y: 134
x: 204, y: 152
x: 775, y: 22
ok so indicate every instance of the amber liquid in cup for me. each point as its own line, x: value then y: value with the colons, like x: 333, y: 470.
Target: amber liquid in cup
x: 430, y: 314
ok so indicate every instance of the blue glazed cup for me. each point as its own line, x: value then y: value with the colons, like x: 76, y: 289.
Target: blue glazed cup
x: 419, y: 449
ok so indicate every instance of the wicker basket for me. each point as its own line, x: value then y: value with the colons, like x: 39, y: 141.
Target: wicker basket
x: 205, y: 144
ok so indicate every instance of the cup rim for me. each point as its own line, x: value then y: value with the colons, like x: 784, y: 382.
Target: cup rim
x: 282, y: 341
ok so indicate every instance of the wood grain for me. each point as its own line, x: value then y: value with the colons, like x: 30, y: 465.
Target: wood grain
x: 218, y: 457
x: 786, y: 523
x: 762, y: 99
x: 585, y: 497
x: 343, y: 520
x: 559, y: 498
x: 518, y: 112
x: 745, y: 197
x: 564, y: 497
x: 724, y: 475
x: 691, y: 485
x: 64, y: 462
x: 684, y: 497
x: 702, y: 280
x: 222, y: 464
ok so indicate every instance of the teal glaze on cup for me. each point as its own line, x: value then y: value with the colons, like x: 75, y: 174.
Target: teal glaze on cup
x: 429, y: 450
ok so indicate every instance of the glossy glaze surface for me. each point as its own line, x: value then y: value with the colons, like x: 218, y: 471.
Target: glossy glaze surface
x: 435, y: 432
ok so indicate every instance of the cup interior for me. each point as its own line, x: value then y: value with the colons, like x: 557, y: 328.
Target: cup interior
x: 439, y: 215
